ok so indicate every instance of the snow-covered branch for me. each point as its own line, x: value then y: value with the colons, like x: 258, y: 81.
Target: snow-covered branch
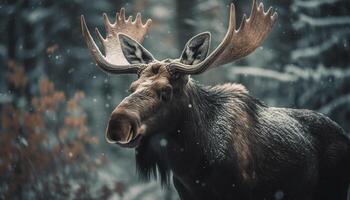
x: 328, y: 108
x: 318, y: 49
x: 263, y: 73
x: 291, y: 73
x: 321, y: 22
x: 312, y: 4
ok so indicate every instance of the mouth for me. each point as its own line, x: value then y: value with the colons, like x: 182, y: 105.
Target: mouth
x: 133, y: 143
x: 134, y: 138
x: 125, y: 131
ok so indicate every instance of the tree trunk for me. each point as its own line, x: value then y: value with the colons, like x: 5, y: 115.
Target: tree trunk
x: 184, y: 11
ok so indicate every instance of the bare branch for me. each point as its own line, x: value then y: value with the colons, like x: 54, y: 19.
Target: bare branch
x: 263, y: 73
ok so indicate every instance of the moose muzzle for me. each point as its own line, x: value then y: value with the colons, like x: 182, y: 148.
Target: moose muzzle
x: 123, y: 128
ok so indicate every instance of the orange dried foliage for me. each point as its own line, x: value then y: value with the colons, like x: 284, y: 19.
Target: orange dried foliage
x: 33, y: 120
x: 51, y: 49
x: 74, y: 121
x: 27, y: 134
x: 49, y: 97
x: 46, y: 87
x: 72, y: 103
x: 72, y: 151
x: 10, y: 118
x: 16, y: 76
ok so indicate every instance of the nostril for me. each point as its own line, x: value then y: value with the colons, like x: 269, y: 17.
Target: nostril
x: 111, y: 133
x: 118, y: 130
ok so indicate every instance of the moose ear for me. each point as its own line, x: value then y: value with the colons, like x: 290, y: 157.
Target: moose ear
x: 133, y: 51
x: 196, y: 49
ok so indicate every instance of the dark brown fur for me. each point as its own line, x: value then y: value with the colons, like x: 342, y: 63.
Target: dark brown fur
x: 218, y: 142
x: 221, y: 143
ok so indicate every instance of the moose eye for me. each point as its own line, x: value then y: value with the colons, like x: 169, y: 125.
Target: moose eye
x: 175, y: 76
x: 155, y: 69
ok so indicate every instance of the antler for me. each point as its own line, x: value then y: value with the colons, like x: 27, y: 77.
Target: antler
x: 114, y: 60
x: 236, y: 43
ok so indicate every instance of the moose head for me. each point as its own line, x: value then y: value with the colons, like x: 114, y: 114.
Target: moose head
x: 159, y: 92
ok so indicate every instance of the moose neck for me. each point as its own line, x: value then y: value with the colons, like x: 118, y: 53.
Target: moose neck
x: 201, y: 111
x: 203, y: 134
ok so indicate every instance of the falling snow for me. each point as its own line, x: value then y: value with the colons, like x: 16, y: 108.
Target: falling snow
x: 163, y: 142
x: 304, y: 63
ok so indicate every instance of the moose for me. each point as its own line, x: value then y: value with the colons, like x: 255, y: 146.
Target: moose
x: 217, y: 142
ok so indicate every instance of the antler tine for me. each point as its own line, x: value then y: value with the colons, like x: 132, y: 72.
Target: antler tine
x: 137, y: 19
x: 243, y: 22
x: 102, y: 39
x: 106, y: 22
x: 101, y: 60
x: 236, y: 43
x: 148, y: 23
x: 261, y: 7
x: 232, y: 19
x: 121, y: 15
x: 253, y: 11
x: 114, y: 61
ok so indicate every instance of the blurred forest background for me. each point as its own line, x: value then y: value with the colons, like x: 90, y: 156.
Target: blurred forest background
x: 54, y: 101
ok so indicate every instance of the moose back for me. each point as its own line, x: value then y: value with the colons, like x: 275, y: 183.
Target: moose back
x: 219, y: 142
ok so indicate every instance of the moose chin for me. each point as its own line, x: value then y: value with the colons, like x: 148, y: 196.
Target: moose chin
x: 217, y: 142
